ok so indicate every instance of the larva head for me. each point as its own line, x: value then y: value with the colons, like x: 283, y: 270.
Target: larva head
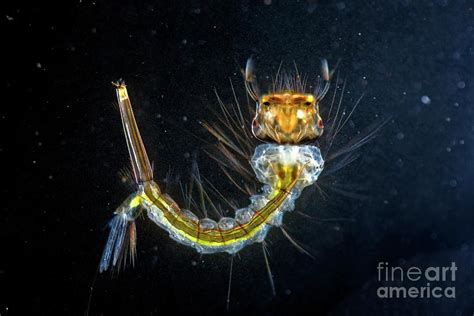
x: 287, y: 118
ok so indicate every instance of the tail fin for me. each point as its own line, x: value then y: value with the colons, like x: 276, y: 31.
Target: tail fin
x: 122, y: 239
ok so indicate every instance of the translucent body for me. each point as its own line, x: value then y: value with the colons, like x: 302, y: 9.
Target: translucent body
x: 285, y: 170
x: 274, y: 202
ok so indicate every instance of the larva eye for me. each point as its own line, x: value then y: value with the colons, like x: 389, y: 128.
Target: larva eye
x: 320, y: 123
x: 307, y: 103
x: 266, y: 103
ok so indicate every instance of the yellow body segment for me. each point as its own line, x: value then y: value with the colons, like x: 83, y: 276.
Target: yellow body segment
x: 191, y: 230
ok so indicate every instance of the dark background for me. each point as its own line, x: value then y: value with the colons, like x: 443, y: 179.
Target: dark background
x: 64, y: 145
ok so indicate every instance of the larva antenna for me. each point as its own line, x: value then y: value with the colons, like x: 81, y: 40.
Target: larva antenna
x: 321, y: 90
x: 250, y: 80
x: 327, y: 74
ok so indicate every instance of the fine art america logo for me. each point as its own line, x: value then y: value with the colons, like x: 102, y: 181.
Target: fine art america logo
x: 416, y: 282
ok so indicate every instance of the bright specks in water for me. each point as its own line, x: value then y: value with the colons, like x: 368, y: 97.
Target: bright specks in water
x: 340, y: 5
x: 399, y: 162
x: 425, y: 99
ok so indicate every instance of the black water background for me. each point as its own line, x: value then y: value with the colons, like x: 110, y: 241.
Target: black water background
x: 67, y: 148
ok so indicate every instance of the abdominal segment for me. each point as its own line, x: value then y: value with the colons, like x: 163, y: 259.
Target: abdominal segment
x: 285, y: 170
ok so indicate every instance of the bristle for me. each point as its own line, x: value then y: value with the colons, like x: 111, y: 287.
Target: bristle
x: 126, y: 177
